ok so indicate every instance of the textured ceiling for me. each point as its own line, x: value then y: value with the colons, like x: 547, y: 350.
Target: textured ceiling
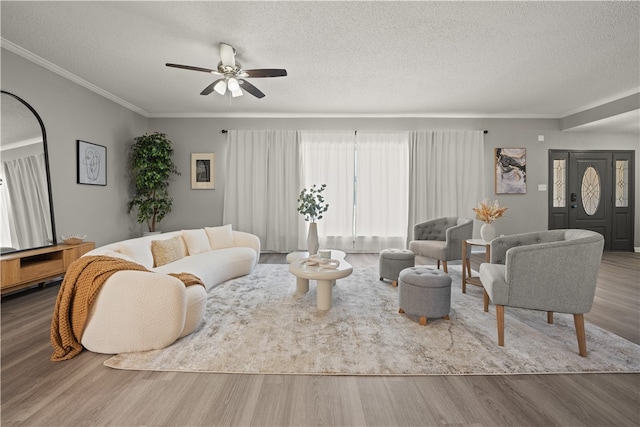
x: 489, y: 59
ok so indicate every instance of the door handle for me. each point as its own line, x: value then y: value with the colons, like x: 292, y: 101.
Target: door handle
x: 574, y: 197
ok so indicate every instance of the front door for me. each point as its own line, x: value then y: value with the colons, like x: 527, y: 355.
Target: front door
x: 590, y: 192
x: 597, y: 190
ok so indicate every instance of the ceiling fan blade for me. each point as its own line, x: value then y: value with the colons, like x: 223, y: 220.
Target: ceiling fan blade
x: 266, y: 72
x: 189, y: 67
x: 207, y: 90
x: 227, y: 55
x: 251, y: 89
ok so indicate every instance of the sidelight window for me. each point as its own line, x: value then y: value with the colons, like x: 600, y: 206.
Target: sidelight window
x: 559, y: 183
x: 622, y: 183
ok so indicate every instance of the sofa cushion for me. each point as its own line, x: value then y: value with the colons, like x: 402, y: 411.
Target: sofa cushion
x: 220, y: 237
x: 166, y: 251
x: 214, y: 267
x: 139, y: 250
x: 196, y: 240
x: 114, y: 254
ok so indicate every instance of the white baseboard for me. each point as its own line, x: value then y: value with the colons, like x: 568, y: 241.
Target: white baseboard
x: 636, y: 249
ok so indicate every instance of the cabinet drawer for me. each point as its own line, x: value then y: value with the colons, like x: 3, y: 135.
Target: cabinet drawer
x: 41, y: 269
x: 10, y: 272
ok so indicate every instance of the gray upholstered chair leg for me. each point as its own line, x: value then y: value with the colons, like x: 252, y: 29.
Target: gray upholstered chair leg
x: 578, y: 319
x: 500, y: 320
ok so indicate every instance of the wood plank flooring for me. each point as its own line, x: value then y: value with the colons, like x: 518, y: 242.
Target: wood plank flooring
x: 82, y: 392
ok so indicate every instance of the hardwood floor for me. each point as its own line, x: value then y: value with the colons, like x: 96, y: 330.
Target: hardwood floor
x: 82, y: 392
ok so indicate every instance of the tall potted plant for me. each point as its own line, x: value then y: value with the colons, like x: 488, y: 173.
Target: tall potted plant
x: 311, y: 204
x: 151, y: 167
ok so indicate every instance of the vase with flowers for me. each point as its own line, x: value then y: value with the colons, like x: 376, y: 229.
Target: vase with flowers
x: 488, y: 212
x: 312, y: 205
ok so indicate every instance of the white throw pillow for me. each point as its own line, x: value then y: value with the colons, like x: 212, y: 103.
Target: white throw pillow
x: 139, y: 250
x: 196, y: 240
x: 220, y: 237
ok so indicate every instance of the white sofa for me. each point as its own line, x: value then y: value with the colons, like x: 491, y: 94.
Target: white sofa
x: 146, y: 310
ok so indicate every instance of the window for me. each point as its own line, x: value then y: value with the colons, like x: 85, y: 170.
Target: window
x: 367, y: 187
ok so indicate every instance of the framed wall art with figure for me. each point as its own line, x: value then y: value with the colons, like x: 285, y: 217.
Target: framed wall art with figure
x: 92, y: 163
x: 202, y: 171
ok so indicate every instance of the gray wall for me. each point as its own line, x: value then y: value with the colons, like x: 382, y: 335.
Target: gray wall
x: 71, y: 112
x: 527, y: 212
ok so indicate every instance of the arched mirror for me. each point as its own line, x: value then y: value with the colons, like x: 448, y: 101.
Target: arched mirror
x: 26, y: 205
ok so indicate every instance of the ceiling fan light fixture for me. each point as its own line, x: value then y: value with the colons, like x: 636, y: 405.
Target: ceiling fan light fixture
x: 221, y: 87
x: 232, y: 75
x: 232, y: 84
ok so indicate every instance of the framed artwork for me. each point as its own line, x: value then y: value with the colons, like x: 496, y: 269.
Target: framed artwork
x: 202, y: 171
x: 92, y: 163
x: 511, y: 170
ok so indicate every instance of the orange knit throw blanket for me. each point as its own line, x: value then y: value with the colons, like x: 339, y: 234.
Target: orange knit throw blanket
x: 82, y: 282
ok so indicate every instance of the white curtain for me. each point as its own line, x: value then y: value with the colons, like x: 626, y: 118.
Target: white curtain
x: 328, y: 158
x: 379, y: 184
x: 262, y: 186
x: 382, y: 190
x: 367, y: 187
x: 25, y: 201
x: 446, y: 174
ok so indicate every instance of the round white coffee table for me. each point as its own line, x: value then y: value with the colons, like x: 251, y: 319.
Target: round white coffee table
x: 325, y: 277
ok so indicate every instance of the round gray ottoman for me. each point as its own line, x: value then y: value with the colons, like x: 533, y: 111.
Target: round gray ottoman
x: 424, y: 292
x: 393, y: 261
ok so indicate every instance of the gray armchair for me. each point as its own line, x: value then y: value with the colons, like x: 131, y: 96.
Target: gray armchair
x: 552, y: 271
x: 441, y: 238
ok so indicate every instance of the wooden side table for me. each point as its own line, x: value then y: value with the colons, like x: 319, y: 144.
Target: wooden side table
x: 466, y: 265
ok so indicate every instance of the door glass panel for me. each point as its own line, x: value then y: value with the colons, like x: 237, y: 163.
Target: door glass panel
x: 559, y: 183
x: 590, y: 190
x: 622, y: 183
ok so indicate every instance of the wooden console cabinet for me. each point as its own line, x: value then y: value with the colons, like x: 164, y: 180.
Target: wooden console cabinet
x: 23, y: 269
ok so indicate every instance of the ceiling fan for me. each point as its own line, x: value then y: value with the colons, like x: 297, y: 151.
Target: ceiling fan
x: 232, y: 75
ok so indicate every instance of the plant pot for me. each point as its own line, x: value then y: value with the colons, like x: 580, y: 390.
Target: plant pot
x: 487, y: 232
x: 312, y: 239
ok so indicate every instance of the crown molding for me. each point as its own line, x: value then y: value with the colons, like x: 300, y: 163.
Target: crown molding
x: 347, y: 116
x: 30, y: 56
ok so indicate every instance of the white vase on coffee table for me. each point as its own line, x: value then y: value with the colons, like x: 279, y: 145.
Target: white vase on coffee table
x: 312, y: 239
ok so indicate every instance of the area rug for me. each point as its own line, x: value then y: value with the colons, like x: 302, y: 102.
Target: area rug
x: 259, y: 324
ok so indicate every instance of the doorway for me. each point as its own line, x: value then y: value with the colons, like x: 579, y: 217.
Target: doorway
x: 593, y: 190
